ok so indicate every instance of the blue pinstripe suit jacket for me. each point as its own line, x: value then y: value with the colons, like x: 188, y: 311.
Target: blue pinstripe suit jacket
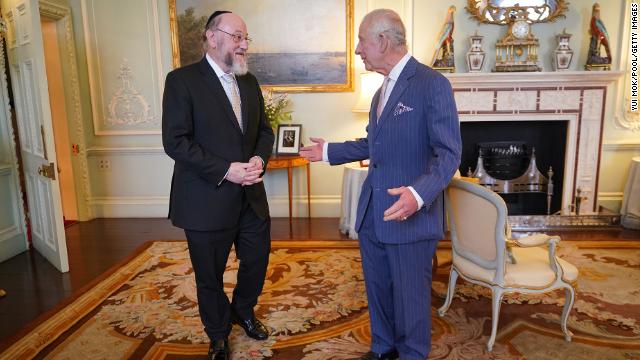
x: 416, y: 142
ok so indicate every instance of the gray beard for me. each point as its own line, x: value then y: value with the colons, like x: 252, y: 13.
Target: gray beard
x: 238, y: 67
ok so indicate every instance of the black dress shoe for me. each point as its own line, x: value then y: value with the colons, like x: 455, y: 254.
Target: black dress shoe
x: 253, y: 327
x: 219, y: 350
x: 391, y: 355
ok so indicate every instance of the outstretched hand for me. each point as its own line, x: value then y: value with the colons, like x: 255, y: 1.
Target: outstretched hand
x: 404, y: 207
x: 313, y: 152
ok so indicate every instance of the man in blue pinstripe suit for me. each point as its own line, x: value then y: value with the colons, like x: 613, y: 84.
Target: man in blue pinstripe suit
x: 413, y: 144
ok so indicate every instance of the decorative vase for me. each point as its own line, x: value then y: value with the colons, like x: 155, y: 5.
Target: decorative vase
x: 475, y: 55
x: 563, y: 54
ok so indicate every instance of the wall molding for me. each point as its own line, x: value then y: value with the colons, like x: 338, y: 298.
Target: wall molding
x: 129, y: 200
x: 321, y: 205
x: 158, y: 206
x: 624, y: 117
x: 9, y: 233
x: 62, y: 15
x: 610, y: 196
x: 621, y: 146
x: 52, y: 10
x: 100, y: 104
x: 130, y: 206
x: 155, y: 15
x: 113, y: 151
x: 5, y: 169
x: 15, y: 211
x: 127, y: 105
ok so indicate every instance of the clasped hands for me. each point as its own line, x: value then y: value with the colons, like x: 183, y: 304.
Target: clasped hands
x: 405, y: 206
x: 246, y: 174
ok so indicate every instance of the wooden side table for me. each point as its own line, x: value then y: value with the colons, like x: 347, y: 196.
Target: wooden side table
x: 290, y: 162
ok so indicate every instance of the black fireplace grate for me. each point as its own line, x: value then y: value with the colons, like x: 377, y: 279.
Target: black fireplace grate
x: 505, y: 160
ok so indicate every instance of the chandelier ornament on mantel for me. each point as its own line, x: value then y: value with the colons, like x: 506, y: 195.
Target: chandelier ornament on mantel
x: 499, y: 11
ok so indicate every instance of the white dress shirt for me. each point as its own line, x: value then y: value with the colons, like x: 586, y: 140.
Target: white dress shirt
x: 220, y: 74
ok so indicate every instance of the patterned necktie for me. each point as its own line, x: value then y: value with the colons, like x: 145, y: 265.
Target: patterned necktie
x: 232, y: 92
x: 381, y: 99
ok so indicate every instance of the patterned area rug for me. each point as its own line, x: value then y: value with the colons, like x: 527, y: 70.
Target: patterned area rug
x: 314, y: 303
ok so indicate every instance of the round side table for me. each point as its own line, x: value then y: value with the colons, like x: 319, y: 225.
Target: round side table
x: 290, y: 162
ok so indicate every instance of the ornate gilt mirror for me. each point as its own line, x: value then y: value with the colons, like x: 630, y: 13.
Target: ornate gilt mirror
x: 501, y: 11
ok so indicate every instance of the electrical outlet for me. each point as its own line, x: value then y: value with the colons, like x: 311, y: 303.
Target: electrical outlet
x: 104, y: 165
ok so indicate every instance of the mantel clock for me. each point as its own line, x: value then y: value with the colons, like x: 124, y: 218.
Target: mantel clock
x: 517, y: 50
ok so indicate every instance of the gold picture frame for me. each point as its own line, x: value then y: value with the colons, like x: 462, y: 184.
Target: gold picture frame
x: 324, y: 68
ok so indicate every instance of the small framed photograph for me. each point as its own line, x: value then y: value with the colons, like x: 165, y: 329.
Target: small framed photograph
x: 288, y: 142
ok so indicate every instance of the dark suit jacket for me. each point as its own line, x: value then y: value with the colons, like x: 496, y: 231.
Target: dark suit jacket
x: 416, y: 142
x: 200, y: 132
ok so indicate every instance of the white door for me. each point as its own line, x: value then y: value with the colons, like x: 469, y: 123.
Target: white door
x: 29, y: 82
x: 13, y: 238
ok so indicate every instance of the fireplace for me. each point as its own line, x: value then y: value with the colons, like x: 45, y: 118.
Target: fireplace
x: 561, y: 114
x: 508, y: 149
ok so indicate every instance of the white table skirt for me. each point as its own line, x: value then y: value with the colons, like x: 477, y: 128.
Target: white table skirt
x: 352, y: 181
x: 630, y: 210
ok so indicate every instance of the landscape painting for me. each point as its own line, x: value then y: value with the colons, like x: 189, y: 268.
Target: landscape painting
x: 298, y: 45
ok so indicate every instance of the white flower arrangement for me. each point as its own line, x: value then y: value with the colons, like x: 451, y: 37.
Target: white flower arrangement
x: 275, y: 105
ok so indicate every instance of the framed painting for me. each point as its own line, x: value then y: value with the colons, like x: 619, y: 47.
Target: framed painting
x: 298, y: 45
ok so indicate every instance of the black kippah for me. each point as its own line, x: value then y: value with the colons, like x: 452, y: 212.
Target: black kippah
x: 215, y: 15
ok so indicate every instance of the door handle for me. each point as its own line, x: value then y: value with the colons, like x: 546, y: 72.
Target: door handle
x: 47, y: 171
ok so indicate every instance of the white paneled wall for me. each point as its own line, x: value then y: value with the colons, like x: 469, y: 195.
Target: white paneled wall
x: 131, y: 40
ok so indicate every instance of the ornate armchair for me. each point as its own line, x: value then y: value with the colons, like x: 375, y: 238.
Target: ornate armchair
x: 484, y: 255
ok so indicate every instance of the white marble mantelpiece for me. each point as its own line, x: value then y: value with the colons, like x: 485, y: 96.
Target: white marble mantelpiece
x: 536, y: 79
x: 577, y: 97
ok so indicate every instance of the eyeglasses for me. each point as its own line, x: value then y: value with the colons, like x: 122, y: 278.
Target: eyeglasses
x: 236, y: 37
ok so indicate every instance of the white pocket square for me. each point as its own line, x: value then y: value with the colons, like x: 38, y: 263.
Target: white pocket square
x: 401, y: 109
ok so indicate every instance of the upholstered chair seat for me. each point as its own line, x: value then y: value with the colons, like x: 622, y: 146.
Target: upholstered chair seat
x: 531, y: 269
x: 485, y: 254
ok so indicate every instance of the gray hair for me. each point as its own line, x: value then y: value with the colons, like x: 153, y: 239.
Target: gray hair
x: 388, y: 22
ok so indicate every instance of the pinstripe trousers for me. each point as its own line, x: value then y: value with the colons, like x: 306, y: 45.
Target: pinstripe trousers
x: 398, y: 283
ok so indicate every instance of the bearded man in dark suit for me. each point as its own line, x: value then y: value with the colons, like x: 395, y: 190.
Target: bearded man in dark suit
x: 214, y: 127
